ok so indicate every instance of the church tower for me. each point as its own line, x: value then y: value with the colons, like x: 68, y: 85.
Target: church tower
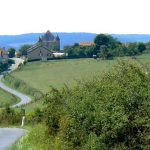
x: 50, y: 41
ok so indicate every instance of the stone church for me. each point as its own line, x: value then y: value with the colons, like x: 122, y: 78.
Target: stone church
x: 44, y: 48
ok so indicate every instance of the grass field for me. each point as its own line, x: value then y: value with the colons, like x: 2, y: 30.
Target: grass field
x: 145, y: 58
x: 42, y: 75
x: 6, y: 98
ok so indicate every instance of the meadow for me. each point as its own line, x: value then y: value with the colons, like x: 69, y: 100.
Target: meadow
x: 42, y: 75
x: 56, y: 73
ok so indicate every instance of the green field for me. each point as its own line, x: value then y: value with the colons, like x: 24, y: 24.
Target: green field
x: 42, y: 75
x: 145, y: 58
x: 6, y: 98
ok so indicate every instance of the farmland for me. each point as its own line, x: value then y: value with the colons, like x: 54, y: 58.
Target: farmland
x: 42, y: 75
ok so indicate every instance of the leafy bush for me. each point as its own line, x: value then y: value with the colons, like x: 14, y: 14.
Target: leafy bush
x: 9, y: 116
x: 105, y: 113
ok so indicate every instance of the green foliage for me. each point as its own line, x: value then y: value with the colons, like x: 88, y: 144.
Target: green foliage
x: 4, y: 66
x: 77, y: 51
x: 9, y: 116
x: 35, y: 116
x: 23, y: 49
x: 10, y: 62
x: 11, y: 52
x: 105, y: 47
x: 107, y: 40
x: 141, y: 47
x: 105, y: 113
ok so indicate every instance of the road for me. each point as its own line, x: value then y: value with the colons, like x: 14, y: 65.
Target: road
x: 24, y: 98
x: 9, y: 136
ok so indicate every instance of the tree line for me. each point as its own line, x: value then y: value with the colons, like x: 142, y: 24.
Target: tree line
x: 106, y: 47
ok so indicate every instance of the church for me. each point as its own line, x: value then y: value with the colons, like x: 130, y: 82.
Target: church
x: 44, y: 48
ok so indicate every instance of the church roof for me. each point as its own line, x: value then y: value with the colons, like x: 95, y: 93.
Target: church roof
x: 34, y: 47
x: 48, y: 36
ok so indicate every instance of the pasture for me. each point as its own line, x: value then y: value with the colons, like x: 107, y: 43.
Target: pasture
x: 42, y: 75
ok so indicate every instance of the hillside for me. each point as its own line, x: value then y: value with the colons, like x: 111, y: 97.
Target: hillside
x: 66, y: 38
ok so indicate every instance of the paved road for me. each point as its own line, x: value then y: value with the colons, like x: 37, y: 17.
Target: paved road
x: 24, y: 99
x: 9, y: 136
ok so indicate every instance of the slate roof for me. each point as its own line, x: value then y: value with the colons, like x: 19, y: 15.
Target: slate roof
x: 34, y: 47
x: 48, y: 36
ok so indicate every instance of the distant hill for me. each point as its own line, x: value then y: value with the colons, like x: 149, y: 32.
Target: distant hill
x: 66, y: 38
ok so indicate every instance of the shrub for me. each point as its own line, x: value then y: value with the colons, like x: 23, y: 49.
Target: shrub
x: 9, y: 116
x: 111, y: 112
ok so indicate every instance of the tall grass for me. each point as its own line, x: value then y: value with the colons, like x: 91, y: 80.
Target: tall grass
x: 22, y: 86
x: 7, y: 98
x: 38, y: 139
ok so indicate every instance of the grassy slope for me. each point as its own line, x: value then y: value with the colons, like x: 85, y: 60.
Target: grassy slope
x: 41, y: 75
x: 6, y: 98
x: 145, y: 58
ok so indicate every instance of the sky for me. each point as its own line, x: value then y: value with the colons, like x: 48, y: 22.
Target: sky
x: 94, y: 16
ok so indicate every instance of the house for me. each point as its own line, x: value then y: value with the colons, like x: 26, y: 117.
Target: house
x: 44, y: 48
x: 86, y: 43
x: 3, y: 55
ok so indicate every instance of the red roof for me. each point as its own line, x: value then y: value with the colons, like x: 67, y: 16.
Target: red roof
x: 86, y: 43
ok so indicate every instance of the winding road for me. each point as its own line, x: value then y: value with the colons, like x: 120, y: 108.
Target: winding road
x: 24, y: 99
x: 9, y: 136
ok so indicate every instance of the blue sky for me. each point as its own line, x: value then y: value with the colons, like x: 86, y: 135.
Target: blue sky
x: 96, y: 16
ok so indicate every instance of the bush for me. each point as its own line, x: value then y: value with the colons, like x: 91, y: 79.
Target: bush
x: 9, y: 116
x: 105, y: 113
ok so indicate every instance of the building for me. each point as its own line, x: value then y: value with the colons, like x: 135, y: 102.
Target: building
x: 86, y: 43
x: 44, y: 48
x: 3, y: 55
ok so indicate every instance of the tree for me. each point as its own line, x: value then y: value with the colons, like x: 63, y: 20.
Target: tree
x: 105, y: 45
x: 11, y: 52
x: 107, y: 40
x: 23, y: 49
x: 141, y: 47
